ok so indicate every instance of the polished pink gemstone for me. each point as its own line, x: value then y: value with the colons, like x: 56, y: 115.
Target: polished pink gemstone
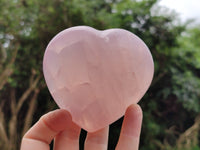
x: 96, y: 75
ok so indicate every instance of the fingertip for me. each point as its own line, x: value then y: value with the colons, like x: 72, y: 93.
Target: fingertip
x: 132, y: 120
x: 134, y: 110
x: 57, y: 120
x: 48, y: 126
x: 68, y: 138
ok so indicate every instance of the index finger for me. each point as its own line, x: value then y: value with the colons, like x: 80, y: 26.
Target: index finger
x: 42, y: 133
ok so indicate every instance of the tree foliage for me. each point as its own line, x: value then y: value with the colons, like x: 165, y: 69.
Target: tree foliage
x: 171, y: 106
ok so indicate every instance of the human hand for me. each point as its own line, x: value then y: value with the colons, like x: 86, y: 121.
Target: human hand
x: 58, y: 125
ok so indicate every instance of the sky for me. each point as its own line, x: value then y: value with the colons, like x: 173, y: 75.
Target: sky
x: 186, y: 8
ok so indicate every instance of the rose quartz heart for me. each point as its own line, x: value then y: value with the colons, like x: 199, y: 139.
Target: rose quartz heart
x: 96, y: 75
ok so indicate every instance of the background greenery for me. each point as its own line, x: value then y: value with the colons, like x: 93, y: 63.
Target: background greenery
x: 172, y: 104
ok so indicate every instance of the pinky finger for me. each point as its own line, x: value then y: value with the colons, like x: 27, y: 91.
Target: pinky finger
x: 131, y: 128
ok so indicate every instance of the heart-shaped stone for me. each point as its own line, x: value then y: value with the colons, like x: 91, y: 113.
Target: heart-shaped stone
x: 96, y: 75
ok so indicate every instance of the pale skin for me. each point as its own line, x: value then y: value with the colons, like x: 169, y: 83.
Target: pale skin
x: 58, y: 126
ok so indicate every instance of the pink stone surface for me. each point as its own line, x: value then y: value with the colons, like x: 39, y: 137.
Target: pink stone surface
x: 96, y: 75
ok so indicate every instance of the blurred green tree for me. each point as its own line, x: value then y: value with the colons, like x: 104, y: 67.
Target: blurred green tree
x: 172, y: 102
x: 175, y: 93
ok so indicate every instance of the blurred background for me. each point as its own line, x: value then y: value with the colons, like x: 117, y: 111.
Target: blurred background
x: 172, y: 104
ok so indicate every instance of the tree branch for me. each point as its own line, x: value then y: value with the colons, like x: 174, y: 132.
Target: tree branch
x: 4, y: 55
x: 13, y: 120
x: 13, y: 101
x: 8, y: 69
x: 190, y: 136
x: 25, y: 95
x: 3, y: 134
x: 29, y: 116
x: 158, y: 78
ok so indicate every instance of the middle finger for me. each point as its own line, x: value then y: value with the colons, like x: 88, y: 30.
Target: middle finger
x: 97, y: 140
